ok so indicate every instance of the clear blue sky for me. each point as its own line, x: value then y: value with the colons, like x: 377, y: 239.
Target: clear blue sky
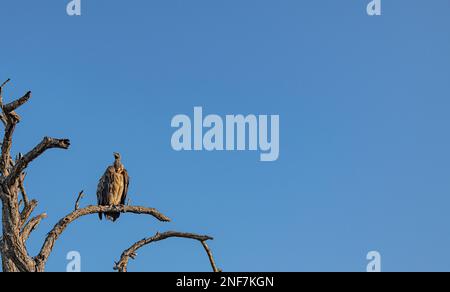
x: 364, y: 111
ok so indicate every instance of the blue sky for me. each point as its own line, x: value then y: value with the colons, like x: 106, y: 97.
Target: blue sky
x: 363, y: 104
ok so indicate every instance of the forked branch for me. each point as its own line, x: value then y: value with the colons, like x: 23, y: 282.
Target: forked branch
x: 7, y: 108
x: 25, y: 199
x: 121, y: 266
x: 31, y: 226
x: 1, y: 91
x: 22, y: 163
x: 27, y: 211
x: 77, y: 203
x: 17, y: 225
x: 11, y: 119
x: 59, y: 228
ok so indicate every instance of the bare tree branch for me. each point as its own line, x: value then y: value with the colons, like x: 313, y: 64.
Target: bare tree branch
x: 210, y: 256
x: 77, y: 203
x: 1, y: 90
x: 4, y: 83
x: 7, y: 108
x: 22, y: 189
x: 121, y: 266
x: 59, y: 228
x: 27, y: 211
x: 31, y: 226
x: 2, y: 115
x: 17, y: 225
x: 47, y: 143
x: 3, y: 119
x: 11, y: 121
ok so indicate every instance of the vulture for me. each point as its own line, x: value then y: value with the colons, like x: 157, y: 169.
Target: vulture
x: 113, y: 188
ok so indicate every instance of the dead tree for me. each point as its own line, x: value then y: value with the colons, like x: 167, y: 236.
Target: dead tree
x: 17, y: 208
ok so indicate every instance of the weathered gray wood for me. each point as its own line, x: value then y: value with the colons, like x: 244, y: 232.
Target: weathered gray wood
x: 16, y: 224
x: 122, y: 264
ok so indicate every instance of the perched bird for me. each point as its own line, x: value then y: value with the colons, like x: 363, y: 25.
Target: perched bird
x: 113, y: 188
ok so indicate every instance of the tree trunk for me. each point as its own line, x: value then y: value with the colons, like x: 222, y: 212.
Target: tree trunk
x: 14, y: 254
x: 16, y: 222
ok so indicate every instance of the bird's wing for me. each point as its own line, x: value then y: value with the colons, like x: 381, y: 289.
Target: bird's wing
x: 104, y: 186
x: 126, y: 182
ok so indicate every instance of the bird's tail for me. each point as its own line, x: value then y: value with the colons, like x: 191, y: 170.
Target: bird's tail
x: 112, y: 216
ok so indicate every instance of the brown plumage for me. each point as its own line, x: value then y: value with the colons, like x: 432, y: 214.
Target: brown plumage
x: 113, y: 188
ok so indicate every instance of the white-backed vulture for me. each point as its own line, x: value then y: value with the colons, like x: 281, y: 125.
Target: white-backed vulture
x: 113, y: 188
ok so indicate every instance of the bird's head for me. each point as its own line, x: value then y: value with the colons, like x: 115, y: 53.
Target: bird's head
x: 116, y: 155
